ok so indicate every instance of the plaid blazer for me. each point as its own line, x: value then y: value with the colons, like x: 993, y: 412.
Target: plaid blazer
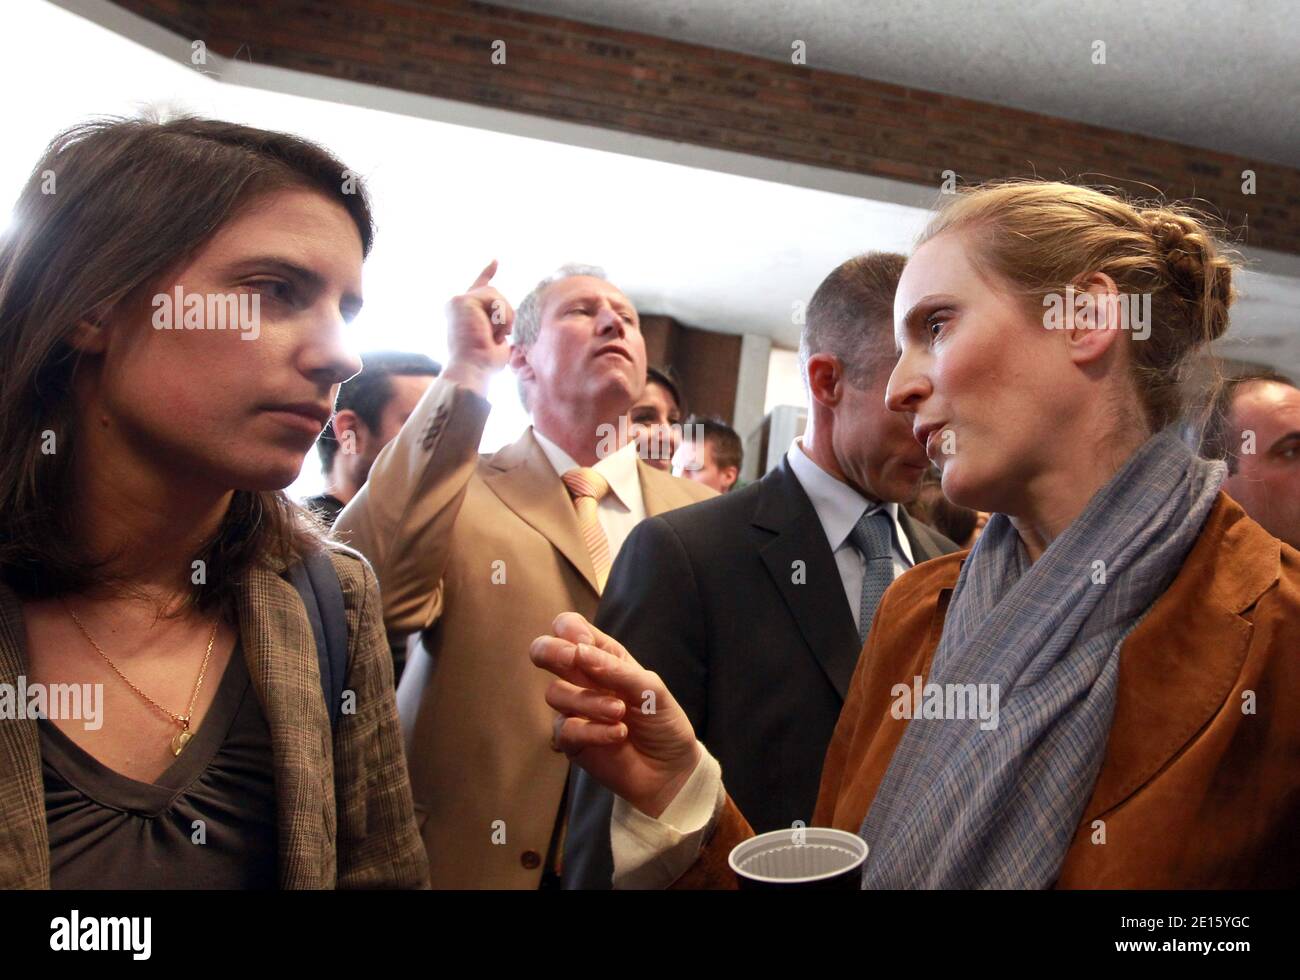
x: 343, y: 810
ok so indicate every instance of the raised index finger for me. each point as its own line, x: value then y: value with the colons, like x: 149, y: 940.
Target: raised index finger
x: 485, y: 276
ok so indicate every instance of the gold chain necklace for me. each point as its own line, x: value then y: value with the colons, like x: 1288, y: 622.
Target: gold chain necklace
x: 181, y: 738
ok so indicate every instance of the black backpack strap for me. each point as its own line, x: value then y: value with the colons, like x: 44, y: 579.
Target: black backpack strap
x: 322, y: 596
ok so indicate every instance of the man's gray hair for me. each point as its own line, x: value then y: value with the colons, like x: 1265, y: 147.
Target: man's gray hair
x: 528, y: 317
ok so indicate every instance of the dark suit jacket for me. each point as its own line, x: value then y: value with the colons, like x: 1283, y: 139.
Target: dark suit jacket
x: 758, y: 649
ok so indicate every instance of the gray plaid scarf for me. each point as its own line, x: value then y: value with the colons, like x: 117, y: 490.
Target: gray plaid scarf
x: 963, y: 805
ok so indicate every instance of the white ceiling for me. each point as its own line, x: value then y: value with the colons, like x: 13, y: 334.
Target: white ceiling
x: 714, y: 249
x: 1220, y: 74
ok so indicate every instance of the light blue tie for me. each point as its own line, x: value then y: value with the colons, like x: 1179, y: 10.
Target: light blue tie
x: 873, y: 536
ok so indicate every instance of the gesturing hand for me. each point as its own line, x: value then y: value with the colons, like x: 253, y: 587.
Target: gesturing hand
x: 616, y: 719
x: 479, y: 322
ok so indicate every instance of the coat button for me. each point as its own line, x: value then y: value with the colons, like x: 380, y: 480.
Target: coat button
x: 530, y: 860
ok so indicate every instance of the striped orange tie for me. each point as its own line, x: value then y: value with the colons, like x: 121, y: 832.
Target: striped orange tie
x: 587, y: 487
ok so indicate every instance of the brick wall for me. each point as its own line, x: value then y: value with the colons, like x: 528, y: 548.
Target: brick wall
x: 648, y: 85
x: 706, y: 363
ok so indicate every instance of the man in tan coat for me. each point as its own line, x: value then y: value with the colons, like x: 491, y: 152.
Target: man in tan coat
x: 480, y: 553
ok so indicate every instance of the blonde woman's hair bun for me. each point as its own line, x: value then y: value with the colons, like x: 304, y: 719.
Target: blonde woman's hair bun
x: 1200, y: 271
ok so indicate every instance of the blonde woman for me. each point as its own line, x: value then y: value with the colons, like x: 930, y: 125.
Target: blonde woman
x: 1137, y: 630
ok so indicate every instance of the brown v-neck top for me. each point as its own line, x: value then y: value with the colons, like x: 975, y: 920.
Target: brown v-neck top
x: 208, y: 822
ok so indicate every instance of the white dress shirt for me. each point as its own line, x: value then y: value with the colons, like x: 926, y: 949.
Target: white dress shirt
x: 839, y: 508
x: 623, y: 508
x: 653, y: 853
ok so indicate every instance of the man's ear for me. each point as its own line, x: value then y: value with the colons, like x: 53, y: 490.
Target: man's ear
x: 730, y: 475
x: 350, y: 432
x: 519, y: 362
x: 826, y: 379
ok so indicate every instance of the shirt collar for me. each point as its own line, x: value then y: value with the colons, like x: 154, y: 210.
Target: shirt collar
x: 619, y: 468
x: 839, y: 507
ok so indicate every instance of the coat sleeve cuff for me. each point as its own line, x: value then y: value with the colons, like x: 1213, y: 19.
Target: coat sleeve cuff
x: 653, y: 853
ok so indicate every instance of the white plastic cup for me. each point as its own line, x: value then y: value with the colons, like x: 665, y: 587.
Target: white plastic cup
x: 801, y: 857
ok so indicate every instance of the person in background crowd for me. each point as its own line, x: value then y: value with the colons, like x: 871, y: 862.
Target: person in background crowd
x: 710, y: 453
x: 1255, y: 427
x: 145, y: 539
x: 959, y: 524
x: 752, y: 607
x: 479, y: 553
x: 370, y: 411
x: 1131, y: 628
x: 655, y: 420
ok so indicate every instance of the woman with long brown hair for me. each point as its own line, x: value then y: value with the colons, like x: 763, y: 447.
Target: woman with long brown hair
x: 1133, y: 629
x: 173, y: 297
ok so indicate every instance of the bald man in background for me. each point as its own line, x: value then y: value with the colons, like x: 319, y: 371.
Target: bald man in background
x: 1255, y: 428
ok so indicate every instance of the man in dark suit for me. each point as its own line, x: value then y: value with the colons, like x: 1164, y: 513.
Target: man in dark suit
x: 753, y: 607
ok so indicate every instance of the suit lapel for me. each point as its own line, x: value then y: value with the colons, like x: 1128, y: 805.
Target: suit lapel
x: 923, y: 548
x: 526, y: 482
x: 24, y: 840
x: 654, y: 501
x: 817, y: 602
x: 1182, y: 662
x: 659, y: 491
x: 280, y: 651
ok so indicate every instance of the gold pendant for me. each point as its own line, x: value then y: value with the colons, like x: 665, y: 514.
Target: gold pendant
x: 179, y: 741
